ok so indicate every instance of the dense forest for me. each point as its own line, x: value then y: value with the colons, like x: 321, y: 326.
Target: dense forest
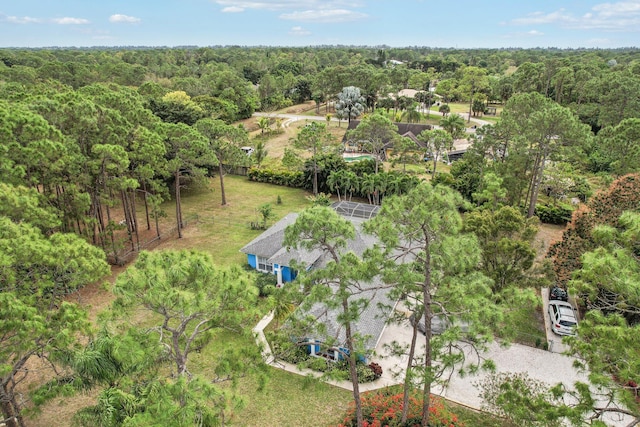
x: 89, y: 135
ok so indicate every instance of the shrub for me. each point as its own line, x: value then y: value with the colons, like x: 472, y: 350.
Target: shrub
x: 377, y: 369
x: 603, y: 208
x: 559, y: 214
x: 581, y: 188
x: 363, y: 167
x: 321, y: 199
x: 365, y: 373
x: 285, y: 349
x: 443, y: 178
x: 264, y: 282
x: 381, y: 409
x: 502, y: 395
x: 318, y: 364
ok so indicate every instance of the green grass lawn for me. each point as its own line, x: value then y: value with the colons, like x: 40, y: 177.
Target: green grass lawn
x: 223, y: 230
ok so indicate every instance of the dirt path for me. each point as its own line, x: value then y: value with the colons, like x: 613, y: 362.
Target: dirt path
x: 547, y: 235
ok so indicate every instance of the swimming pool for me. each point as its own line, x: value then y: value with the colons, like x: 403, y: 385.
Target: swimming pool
x: 357, y: 158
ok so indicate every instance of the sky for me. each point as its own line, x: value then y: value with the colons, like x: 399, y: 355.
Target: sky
x: 395, y: 23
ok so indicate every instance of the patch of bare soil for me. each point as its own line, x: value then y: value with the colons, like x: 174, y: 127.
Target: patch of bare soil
x: 299, y: 108
x: 547, y: 235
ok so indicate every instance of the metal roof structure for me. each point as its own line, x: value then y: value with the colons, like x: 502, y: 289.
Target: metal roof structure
x: 355, y: 210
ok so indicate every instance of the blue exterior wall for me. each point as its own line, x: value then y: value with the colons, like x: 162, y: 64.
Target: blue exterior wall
x: 288, y: 275
x: 252, y: 260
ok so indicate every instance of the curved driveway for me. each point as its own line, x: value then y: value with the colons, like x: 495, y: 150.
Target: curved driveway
x: 542, y: 365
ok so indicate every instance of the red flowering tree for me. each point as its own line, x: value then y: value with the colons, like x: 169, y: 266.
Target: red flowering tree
x: 604, y: 208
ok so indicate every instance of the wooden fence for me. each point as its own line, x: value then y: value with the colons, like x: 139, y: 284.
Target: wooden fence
x: 125, y: 256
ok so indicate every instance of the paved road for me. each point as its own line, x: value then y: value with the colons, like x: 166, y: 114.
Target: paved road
x: 289, y: 118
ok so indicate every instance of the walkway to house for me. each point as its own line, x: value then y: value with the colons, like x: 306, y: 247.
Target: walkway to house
x: 542, y: 365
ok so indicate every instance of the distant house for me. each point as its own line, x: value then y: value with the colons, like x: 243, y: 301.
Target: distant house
x: 406, y: 130
x: 455, y: 155
x: 409, y: 93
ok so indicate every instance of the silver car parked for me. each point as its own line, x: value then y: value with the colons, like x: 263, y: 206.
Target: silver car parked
x: 563, y: 317
x: 439, y: 324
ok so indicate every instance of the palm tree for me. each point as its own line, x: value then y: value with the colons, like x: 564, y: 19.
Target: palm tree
x: 263, y: 124
x: 412, y: 115
x: 282, y: 304
x: 454, y: 125
x: 381, y: 184
x: 260, y: 153
x: 395, y: 184
x: 350, y: 183
x: 368, y: 185
x: 350, y: 102
x: 334, y: 180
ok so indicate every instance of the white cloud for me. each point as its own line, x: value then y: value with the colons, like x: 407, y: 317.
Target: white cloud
x: 20, y: 20
x: 70, y: 21
x: 301, y: 10
x: 618, y: 16
x: 299, y: 31
x: 525, y: 34
x: 279, y: 5
x: 543, y: 18
x: 334, y: 15
x: 117, y: 18
x: 623, y: 8
x: 233, y: 9
x: 598, y: 42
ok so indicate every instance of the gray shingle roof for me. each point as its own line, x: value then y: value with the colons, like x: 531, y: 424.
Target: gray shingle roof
x: 372, y: 320
x: 270, y: 245
x: 270, y: 242
x: 409, y: 130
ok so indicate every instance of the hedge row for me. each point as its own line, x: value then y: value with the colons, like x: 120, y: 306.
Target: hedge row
x: 278, y: 177
x: 559, y: 214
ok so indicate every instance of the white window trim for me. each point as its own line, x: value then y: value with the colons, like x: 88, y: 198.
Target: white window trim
x: 263, y: 265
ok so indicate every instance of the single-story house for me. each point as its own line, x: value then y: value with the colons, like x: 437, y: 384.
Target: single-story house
x: 266, y: 253
x: 454, y: 155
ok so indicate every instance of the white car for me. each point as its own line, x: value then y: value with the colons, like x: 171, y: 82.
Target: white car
x: 563, y: 317
x: 247, y: 150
